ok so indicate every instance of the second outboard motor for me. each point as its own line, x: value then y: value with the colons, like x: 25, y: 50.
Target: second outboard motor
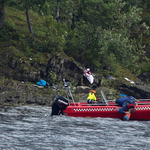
x: 59, y: 104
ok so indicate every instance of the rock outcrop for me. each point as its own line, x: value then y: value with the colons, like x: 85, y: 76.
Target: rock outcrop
x: 141, y: 91
x: 53, y: 71
x: 25, y: 73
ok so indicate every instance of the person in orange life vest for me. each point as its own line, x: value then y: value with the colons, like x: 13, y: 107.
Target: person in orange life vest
x: 92, y: 97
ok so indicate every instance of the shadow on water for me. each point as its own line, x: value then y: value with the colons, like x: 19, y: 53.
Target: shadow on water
x: 32, y: 128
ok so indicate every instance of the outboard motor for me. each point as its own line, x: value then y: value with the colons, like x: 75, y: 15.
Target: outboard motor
x: 59, y: 104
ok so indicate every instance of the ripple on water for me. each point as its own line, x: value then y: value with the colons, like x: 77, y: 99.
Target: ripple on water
x: 32, y: 128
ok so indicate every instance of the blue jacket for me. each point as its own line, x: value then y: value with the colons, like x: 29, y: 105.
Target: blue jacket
x: 125, y: 102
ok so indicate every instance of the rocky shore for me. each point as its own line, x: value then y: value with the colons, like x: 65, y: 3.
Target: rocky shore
x: 19, y: 93
x: 16, y: 93
x: 18, y: 79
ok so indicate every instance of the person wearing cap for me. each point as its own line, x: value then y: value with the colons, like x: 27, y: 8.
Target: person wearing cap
x: 92, y: 97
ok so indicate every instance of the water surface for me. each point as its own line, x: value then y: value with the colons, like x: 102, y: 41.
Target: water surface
x: 32, y: 128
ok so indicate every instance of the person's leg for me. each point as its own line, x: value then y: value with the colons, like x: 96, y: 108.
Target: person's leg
x: 130, y: 111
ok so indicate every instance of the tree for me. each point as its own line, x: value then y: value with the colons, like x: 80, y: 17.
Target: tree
x: 28, y: 21
x: 2, y: 13
x: 103, y: 31
x: 26, y: 5
x: 1, y: 17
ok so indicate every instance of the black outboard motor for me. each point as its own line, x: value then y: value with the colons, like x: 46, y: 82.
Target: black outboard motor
x: 59, y: 104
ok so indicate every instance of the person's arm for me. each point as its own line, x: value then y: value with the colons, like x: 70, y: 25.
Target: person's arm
x: 95, y: 97
x: 124, y: 107
x: 122, y: 110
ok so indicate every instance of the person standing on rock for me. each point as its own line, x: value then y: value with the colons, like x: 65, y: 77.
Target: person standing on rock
x: 87, y: 74
x: 66, y: 85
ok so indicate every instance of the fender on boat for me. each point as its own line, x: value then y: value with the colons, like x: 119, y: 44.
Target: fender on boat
x: 59, y: 104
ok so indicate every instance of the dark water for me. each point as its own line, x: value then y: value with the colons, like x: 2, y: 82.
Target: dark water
x: 32, y: 128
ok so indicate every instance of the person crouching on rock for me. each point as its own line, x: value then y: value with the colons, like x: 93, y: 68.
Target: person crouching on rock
x: 92, y: 97
x: 128, y: 106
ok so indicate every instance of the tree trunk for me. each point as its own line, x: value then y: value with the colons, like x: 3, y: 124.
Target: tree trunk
x: 28, y: 21
x: 73, y: 21
x: 58, y: 10
x: 2, y: 14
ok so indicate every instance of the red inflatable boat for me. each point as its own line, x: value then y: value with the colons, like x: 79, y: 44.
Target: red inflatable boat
x: 142, y: 111
x: 106, y: 110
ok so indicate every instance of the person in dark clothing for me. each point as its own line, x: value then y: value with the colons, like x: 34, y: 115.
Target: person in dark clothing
x: 66, y: 85
x: 128, y: 105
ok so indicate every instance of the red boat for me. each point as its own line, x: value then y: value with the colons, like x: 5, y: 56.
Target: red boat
x: 106, y: 110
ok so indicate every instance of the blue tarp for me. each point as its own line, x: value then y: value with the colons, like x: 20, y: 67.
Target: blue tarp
x: 42, y: 83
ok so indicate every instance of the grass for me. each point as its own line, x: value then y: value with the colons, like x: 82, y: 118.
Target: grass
x: 16, y: 41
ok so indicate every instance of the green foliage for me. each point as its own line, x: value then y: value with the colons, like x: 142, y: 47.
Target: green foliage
x: 98, y: 33
x: 55, y: 33
x: 104, y: 31
x: 53, y: 76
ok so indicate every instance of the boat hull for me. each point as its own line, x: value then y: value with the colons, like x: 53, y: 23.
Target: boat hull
x: 142, y: 112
